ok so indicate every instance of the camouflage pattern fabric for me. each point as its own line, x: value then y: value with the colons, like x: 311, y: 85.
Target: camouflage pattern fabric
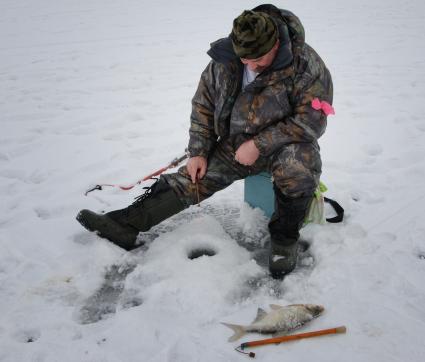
x: 274, y: 110
x: 295, y: 169
x: 253, y: 34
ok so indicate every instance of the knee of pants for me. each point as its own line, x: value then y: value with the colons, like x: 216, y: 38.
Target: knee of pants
x: 298, y: 185
x: 296, y: 170
x: 182, y: 185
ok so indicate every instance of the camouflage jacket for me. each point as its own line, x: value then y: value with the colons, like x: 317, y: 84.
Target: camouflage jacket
x: 275, y: 109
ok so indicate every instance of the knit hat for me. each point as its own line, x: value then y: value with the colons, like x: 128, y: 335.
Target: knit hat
x: 253, y: 34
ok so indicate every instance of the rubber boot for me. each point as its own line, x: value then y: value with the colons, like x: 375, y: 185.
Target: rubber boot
x: 121, y: 227
x: 284, y: 227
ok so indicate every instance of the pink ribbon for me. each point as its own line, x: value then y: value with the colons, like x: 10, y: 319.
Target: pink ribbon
x: 324, y: 106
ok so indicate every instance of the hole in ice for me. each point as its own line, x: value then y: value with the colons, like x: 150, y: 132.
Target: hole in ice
x: 198, y: 252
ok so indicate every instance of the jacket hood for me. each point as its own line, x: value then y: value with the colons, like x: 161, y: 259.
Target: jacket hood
x: 291, y: 36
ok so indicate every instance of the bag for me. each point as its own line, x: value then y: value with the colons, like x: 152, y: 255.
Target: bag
x: 316, y: 211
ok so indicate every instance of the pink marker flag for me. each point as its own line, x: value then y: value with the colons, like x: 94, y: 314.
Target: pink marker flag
x: 324, y: 106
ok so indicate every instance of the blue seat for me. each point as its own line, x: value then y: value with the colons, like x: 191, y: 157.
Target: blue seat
x: 258, y: 192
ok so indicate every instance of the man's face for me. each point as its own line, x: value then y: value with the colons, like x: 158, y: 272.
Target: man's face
x: 260, y: 64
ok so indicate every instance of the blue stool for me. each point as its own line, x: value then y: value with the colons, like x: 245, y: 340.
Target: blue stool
x: 258, y: 192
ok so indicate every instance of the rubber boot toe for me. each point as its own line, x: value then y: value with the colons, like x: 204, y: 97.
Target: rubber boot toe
x: 106, y: 227
x: 282, y: 260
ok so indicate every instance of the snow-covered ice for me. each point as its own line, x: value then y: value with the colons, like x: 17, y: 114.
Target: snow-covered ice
x: 99, y: 91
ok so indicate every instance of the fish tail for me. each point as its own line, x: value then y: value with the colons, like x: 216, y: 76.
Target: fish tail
x: 239, y: 331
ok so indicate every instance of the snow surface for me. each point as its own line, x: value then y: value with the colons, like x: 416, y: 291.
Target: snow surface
x: 99, y: 91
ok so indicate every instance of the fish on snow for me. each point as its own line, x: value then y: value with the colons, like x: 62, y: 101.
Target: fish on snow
x: 280, y: 320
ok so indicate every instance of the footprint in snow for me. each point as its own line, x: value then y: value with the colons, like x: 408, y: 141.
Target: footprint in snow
x: 84, y: 238
x: 105, y: 300
x: 46, y: 214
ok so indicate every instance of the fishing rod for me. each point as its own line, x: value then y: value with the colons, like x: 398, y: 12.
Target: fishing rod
x: 174, y: 163
x: 291, y: 337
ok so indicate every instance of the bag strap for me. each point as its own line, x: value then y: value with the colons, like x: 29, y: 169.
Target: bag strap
x: 338, y: 209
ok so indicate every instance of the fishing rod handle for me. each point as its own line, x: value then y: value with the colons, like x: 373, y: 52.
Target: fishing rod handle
x: 293, y: 337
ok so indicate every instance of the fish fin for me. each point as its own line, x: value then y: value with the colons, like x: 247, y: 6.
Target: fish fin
x: 276, y: 306
x: 261, y: 313
x: 238, y: 330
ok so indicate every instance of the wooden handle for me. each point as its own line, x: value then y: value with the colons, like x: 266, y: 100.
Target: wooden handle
x: 293, y: 337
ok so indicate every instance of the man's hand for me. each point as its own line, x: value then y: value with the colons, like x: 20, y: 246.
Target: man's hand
x: 196, y: 167
x: 247, y: 153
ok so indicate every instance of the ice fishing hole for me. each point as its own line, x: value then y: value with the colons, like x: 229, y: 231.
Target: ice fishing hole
x: 198, y: 252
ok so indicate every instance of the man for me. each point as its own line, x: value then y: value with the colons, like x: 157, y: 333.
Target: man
x: 252, y: 112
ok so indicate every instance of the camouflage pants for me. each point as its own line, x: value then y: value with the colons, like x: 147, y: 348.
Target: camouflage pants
x: 295, y: 168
